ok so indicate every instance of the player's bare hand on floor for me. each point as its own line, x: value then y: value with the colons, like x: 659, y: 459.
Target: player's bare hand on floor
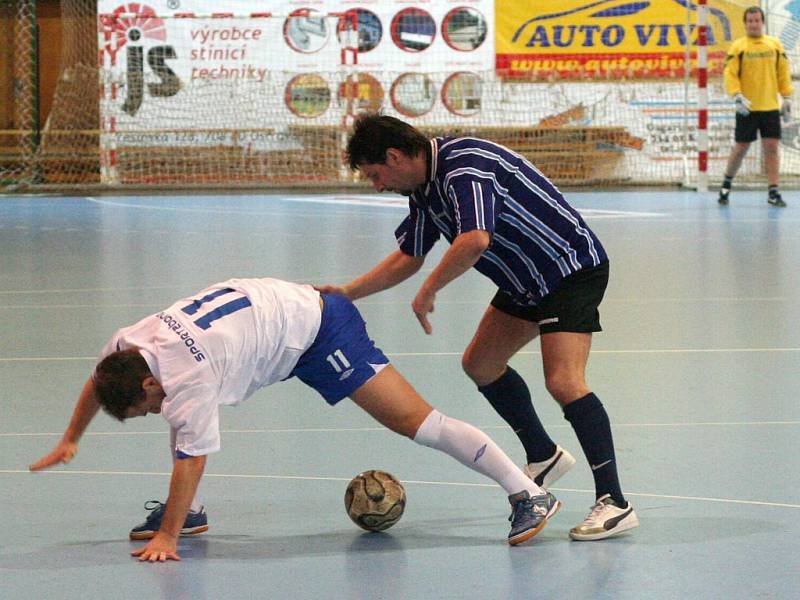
x: 160, y: 549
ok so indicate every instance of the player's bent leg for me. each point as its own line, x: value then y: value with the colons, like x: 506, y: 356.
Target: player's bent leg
x: 499, y: 336
x: 394, y: 403
x: 531, y: 506
x: 564, y: 358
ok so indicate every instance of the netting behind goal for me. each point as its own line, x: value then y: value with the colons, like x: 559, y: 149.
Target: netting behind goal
x: 205, y: 98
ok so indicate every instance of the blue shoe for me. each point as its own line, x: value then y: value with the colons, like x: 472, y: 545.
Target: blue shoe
x: 196, y: 522
x: 529, y: 515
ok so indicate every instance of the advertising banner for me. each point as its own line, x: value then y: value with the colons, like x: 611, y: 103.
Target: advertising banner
x: 184, y: 64
x: 597, y: 39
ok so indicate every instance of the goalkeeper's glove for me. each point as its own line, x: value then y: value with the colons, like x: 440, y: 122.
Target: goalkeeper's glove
x: 742, y: 104
x: 786, y: 110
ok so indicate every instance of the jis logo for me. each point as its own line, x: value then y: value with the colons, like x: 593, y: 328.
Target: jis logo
x: 129, y: 26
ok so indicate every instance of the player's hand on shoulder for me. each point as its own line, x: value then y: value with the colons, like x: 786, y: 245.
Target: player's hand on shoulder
x: 331, y: 289
x: 62, y: 453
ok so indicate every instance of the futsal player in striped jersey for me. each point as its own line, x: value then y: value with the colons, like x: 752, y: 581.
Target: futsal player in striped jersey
x: 218, y: 347
x: 503, y: 217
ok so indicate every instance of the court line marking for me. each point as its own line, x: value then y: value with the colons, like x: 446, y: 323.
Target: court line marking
x: 192, y: 288
x: 383, y: 429
x: 228, y: 211
x: 642, y: 351
x: 405, y: 481
x: 460, y: 352
x: 625, y: 300
x: 402, y: 202
x: 81, y: 290
x: 63, y: 306
x: 366, y: 200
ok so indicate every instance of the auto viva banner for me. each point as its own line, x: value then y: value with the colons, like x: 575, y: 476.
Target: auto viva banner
x: 609, y: 39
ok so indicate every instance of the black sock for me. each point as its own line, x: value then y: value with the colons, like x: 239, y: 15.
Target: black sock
x: 727, y: 182
x: 590, y: 422
x: 510, y: 397
x: 773, y: 191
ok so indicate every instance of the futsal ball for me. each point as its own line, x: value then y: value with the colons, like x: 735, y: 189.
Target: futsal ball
x: 375, y: 500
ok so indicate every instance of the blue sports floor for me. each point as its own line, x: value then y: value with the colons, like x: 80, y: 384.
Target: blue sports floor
x: 698, y: 367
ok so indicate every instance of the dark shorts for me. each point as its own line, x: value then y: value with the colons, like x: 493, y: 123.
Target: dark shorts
x: 571, y: 307
x: 767, y: 122
x: 342, y: 357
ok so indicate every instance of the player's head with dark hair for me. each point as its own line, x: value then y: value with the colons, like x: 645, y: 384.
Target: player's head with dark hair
x: 373, y: 134
x: 118, y: 382
x: 754, y: 21
x: 754, y: 9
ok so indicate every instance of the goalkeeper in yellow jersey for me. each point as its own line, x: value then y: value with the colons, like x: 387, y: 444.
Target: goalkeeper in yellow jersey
x: 756, y: 73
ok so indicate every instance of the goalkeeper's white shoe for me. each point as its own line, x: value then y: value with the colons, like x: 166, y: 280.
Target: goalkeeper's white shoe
x: 605, y: 520
x: 546, y: 473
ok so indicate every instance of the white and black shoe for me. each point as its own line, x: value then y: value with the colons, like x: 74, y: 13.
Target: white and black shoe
x: 776, y: 200
x: 546, y: 473
x: 723, y: 198
x: 605, y: 520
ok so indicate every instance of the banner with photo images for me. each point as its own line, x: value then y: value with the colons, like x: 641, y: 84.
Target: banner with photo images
x: 171, y: 66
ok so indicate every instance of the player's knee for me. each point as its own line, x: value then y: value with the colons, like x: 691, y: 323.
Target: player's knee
x: 470, y: 365
x: 409, y: 421
x: 565, y: 386
x: 479, y: 371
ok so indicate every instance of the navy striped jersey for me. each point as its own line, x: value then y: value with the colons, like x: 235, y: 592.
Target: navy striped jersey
x: 537, y: 238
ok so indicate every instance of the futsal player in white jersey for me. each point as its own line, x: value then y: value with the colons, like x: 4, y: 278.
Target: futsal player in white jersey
x: 235, y: 337
x: 507, y: 220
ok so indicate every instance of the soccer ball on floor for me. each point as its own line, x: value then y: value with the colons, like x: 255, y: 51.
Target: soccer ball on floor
x: 375, y: 500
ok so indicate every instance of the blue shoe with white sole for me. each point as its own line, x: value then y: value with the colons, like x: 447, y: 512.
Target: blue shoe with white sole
x: 195, y: 523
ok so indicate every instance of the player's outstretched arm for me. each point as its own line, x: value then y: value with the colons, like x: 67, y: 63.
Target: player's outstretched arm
x: 394, y: 269
x: 186, y: 474
x: 85, y: 410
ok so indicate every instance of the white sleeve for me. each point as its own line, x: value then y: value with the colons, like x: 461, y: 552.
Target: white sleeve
x: 194, y: 414
x: 113, y: 345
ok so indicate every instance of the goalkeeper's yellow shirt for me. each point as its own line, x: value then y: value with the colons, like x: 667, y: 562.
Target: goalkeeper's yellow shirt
x: 757, y: 68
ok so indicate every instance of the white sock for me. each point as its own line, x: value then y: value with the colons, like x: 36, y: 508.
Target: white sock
x: 474, y: 449
x: 197, y: 504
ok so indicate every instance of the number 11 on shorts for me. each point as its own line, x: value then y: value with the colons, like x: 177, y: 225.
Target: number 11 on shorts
x: 338, y: 361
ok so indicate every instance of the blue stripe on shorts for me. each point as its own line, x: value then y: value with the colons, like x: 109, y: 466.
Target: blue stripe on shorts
x: 342, y: 356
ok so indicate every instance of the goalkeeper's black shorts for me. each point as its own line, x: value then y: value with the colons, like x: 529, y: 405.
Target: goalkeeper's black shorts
x: 766, y: 122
